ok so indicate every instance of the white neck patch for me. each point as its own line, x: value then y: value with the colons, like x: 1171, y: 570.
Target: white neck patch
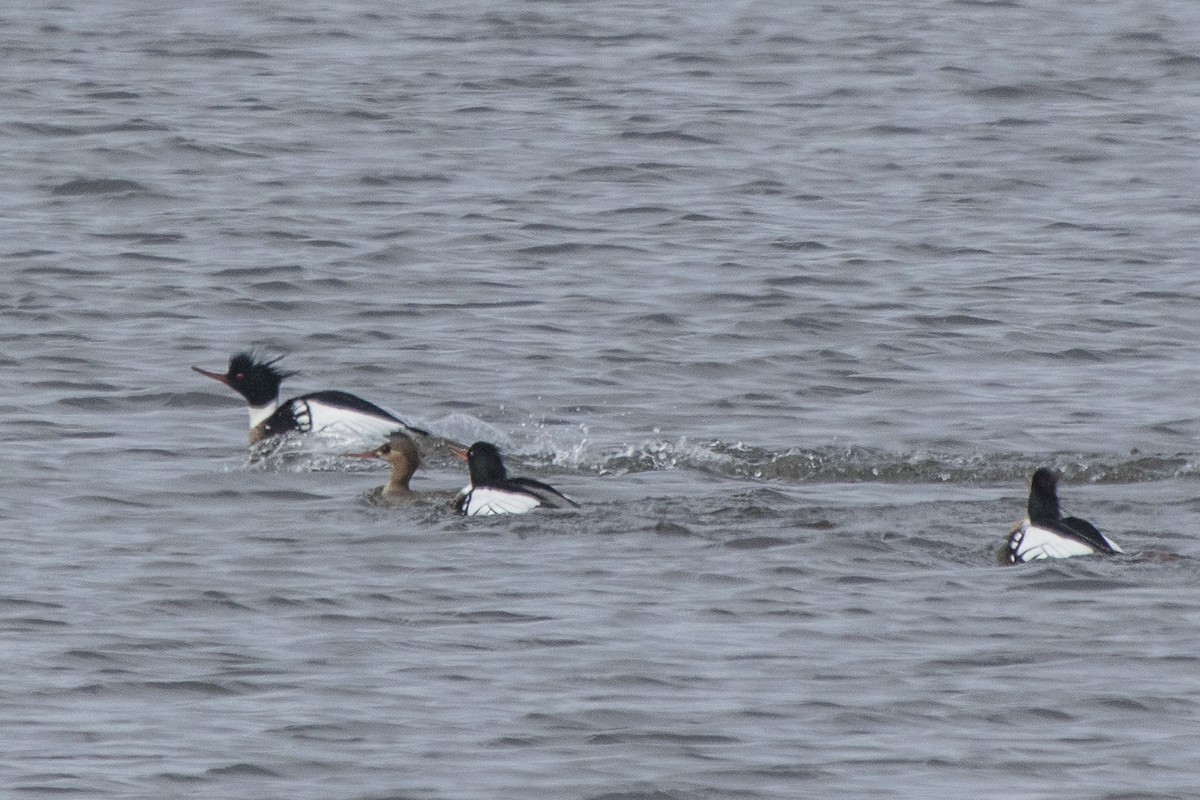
x: 260, y: 414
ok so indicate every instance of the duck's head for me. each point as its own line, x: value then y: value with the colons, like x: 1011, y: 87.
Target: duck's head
x: 1043, y: 496
x: 401, y: 453
x: 483, y: 462
x: 254, y: 378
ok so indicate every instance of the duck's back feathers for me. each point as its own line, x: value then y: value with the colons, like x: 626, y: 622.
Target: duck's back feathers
x: 1030, y: 542
x: 335, y: 412
x: 483, y: 501
x: 510, y: 496
x: 548, y: 495
x: 1090, y: 535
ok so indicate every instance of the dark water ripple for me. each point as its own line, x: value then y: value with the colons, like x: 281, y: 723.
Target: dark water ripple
x: 793, y: 299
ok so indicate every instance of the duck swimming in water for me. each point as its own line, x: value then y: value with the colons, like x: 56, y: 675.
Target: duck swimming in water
x: 1046, y: 533
x: 331, y: 411
x: 402, y: 454
x: 491, y: 491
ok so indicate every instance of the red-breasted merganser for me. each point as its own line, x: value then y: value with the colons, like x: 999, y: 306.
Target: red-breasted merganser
x: 332, y: 411
x: 401, y: 453
x: 491, y: 491
x: 1046, y: 533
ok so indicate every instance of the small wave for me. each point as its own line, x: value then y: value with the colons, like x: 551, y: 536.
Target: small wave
x: 303, y: 454
x: 244, y: 770
x: 671, y: 136
x: 96, y: 186
x: 859, y: 464
x: 327, y: 452
x: 223, y: 53
x: 570, y: 450
x: 569, y: 248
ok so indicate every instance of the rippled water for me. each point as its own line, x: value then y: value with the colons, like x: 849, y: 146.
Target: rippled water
x: 792, y: 297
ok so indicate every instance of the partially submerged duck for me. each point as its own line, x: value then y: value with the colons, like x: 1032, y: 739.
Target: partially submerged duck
x: 491, y: 491
x: 401, y: 453
x: 1046, y: 533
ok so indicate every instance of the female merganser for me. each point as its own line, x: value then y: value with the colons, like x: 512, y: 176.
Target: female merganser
x: 319, y: 412
x: 1046, y: 533
x: 491, y: 491
x: 401, y: 453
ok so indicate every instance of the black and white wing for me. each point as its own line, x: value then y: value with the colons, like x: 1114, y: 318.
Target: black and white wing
x: 550, y: 497
x: 1070, y: 537
x: 485, y: 501
x: 335, y: 412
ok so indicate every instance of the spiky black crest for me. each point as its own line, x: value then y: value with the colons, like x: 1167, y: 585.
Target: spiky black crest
x: 255, y: 378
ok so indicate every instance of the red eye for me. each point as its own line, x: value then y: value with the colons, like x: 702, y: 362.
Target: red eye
x: 241, y: 376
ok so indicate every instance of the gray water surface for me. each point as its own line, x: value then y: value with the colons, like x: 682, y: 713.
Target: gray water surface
x: 792, y: 297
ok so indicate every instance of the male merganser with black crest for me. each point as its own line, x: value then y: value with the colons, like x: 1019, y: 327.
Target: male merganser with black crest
x: 491, y: 491
x: 401, y: 453
x: 333, y: 411
x: 1046, y: 533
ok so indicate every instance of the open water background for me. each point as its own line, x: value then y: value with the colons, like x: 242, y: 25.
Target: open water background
x: 791, y: 296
